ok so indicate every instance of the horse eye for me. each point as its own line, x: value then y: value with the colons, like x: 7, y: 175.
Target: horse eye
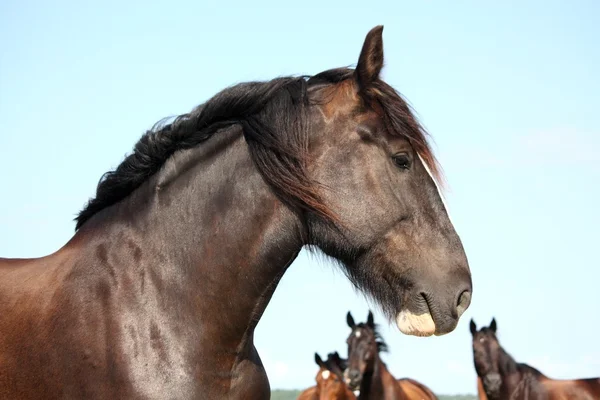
x: 401, y: 160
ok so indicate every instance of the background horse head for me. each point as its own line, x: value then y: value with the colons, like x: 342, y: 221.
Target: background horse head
x: 486, y: 356
x: 330, y: 378
x: 503, y: 378
x: 367, y: 374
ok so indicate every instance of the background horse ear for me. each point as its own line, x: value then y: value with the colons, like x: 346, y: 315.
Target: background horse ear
x: 319, y: 361
x: 370, y: 320
x: 370, y: 61
x: 493, y: 325
x: 338, y: 361
x: 473, y: 327
x: 350, y: 320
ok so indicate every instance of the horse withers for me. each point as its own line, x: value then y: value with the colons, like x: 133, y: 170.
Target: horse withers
x: 176, y: 257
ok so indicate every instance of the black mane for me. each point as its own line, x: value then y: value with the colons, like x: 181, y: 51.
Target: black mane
x: 243, y: 104
x: 274, y: 121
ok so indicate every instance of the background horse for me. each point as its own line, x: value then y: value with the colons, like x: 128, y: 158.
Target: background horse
x: 175, y: 259
x: 330, y: 380
x: 503, y: 378
x: 368, y: 374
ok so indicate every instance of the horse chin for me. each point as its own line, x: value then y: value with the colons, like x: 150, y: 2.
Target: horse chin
x: 492, y: 383
x: 353, y: 386
x: 415, y: 324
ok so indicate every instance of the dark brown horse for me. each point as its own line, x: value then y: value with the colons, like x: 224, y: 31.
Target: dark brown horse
x: 367, y: 373
x: 330, y: 380
x: 174, y: 260
x: 503, y: 378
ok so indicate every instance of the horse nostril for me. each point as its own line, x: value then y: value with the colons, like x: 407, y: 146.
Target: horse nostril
x: 463, y: 302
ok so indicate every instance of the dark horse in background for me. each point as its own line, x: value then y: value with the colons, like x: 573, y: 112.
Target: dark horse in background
x: 368, y: 375
x: 330, y: 380
x: 502, y: 378
x: 175, y: 259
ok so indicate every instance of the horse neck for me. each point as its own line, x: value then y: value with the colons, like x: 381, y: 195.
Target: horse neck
x: 506, y: 364
x: 375, y: 382
x: 210, y: 237
x: 516, y: 378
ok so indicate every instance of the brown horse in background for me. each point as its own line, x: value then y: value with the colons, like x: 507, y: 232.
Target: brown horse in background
x: 502, y: 378
x: 330, y: 380
x: 368, y: 374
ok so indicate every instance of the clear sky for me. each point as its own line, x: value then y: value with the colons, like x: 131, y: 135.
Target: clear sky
x: 509, y: 91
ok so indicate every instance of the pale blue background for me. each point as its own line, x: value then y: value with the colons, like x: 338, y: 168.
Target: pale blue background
x: 509, y: 91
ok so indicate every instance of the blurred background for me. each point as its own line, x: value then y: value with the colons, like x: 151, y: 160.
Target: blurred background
x: 509, y: 92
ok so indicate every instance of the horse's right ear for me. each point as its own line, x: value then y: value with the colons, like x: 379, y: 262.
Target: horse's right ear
x: 493, y: 325
x: 350, y: 320
x: 370, y: 61
x: 371, y: 320
x: 473, y: 327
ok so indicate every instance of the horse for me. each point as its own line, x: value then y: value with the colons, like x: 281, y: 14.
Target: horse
x: 176, y: 257
x: 330, y: 380
x: 367, y: 373
x: 503, y: 378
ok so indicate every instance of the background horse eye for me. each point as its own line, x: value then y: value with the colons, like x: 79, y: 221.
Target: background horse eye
x: 401, y: 161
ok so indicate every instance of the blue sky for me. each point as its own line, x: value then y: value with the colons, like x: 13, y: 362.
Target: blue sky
x: 510, y: 93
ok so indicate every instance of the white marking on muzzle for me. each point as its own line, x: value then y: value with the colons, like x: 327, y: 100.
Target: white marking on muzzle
x: 415, y: 325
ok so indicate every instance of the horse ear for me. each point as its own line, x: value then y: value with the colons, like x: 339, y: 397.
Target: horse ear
x: 370, y: 61
x: 473, y: 327
x: 493, y: 325
x: 319, y: 361
x: 350, y: 320
x: 370, y: 320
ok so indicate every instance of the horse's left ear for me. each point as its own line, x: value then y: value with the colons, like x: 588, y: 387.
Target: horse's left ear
x: 350, y: 320
x: 319, y: 360
x: 493, y: 325
x: 370, y: 61
x: 370, y: 320
x: 473, y: 327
